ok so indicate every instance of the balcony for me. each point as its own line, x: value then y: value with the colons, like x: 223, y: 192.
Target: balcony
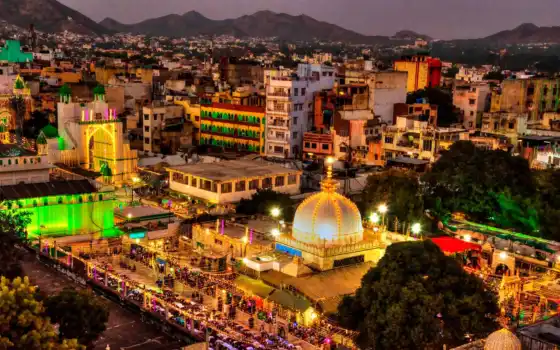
x: 276, y: 95
x: 275, y: 138
x: 279, y: 123
x: 279, y: 111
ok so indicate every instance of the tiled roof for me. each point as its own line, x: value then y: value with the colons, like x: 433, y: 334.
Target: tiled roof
x: 44, y: 189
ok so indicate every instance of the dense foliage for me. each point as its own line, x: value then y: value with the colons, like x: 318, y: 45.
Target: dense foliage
x: 447, y: 114
x: 401, y: 190
x: 12, y: 233
x: 418, y: 298
x: 487, y: 186
x: 23, y: 324
x: 79, y: 315
x: 264, y: 200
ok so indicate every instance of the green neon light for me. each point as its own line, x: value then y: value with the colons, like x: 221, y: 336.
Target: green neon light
x: 137, y: 235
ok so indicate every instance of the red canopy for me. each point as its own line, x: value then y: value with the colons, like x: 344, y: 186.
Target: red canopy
x: 452, y: 245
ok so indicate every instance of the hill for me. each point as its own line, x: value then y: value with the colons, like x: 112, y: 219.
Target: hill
x: 259, y: 24
x: 47, y: 16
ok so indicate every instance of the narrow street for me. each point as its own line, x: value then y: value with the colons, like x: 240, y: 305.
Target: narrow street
x: 125, y: 330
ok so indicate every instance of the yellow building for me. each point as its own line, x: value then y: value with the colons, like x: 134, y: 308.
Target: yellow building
x: 423, y: 72
x: 65, y: 76
x: 104, y: 74
x: 192, y: 110
x: 533, y: 96
x: 233, y: 127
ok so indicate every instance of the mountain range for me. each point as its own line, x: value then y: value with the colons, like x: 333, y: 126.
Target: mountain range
x: 259, y: 24
x: 52, y: 16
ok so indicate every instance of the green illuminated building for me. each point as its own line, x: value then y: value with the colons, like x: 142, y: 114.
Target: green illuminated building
x: 62, y: 208
x: 13, y: 54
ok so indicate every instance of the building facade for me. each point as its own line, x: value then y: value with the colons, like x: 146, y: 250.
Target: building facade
x: 154, y: 118
x: 232, y: 127
x: 230, y: 181
x: 423, y: 71
x: 472, y: 100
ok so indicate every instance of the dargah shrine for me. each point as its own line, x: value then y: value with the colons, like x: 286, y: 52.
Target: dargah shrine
x: 323, y: 255
x: 327, y: 231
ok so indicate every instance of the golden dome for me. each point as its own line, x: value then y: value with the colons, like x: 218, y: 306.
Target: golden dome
x: 502, y: 340
x: 328, y: 218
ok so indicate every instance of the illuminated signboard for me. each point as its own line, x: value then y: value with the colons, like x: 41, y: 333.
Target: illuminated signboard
x: 136, y: 235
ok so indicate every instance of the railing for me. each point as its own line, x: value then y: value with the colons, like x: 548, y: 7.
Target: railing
x: 278, y: 94
x: 283, y: 111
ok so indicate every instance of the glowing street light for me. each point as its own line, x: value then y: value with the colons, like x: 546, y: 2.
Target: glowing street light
x: 135, y: 180
x: 416, y: 228
x: 503, y: 255
x: 382, y: 208
x: 374, y: 218
x: 275, y: 232
x: 129, y: 216
x: 468, y: 238
x: 244, y: 239
x: 275, y: 212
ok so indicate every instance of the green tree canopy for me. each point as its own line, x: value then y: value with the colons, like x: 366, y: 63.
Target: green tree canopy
x: 548, y: 200
x: 399, y: 190
x: 447, y: 114
x: 264, y: 200
x: 22, y: 321
x: 418, y: 298
x: 487, y: 186
x: 12, y: 231
x: 79, y: 315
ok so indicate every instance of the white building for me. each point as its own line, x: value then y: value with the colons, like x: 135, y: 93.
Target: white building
x: 471, y: 75
x: 153, y: 121
x: 230, y: 181
x: 289, y: 106
x: 472, y: 100
x: 18, y: 165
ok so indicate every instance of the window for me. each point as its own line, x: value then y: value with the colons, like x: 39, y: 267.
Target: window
x: 511, y: 125
x: 313, y: 145
x: 307, y: 145
x: 410, y: 110
x: 194, y: 182
x: 267, y: 182
x: 226, y: 187
x: 278, y: 149
x: 292, y: 179
x: 330, y: 74
x: 155, y: 116
x: 342, y: 149
x: 472, y: 101
x: 156, y: 142
x: 427, y: 145
x: 325, y: 146
x: 196, y: 118
x: 279, y: 181
x: 295, y: 121
x: 302, y: 91
x: 147, y: 128
x: 472, y: 113
x: 376, y: 156
x: 146, y: 117
x: 388, y: 139
x: 254, y: 184
x: 296, y: 92
x: 240, y: 186
x: 294, y: 135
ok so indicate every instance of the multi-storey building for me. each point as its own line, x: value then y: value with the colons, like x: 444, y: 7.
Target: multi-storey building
x: 233, y: 127
x: 289, y: 107
x: 503, y: 124
x: 472, y: 100
x: 154, y: 118
x: 533, y: 96
x: 423, y: 71
x: 417, y: 109
x: 413, y: 137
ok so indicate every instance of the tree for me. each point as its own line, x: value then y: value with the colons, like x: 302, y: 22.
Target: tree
x: 263, y: 200
x: 486, y: 185
x: 493, y: 76
x: 399, y: 190
x: 548, y: 187
x: 418, y: 298
x: 79, y: 315
x: 22, y: 321
x: 451, y: 72
x: 12, y: 232
x: 447, y: 114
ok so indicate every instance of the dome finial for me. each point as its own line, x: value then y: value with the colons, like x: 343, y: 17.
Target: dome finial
x: 328, y: 184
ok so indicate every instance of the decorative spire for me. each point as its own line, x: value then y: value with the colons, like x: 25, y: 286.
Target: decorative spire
x: 65, y: 93
x: 328, y: 184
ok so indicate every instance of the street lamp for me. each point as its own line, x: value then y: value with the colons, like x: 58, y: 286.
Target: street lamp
x: 135, y: 180
x: 275, y: 232
x: 275, y: 212
x: 382, y: 209
x: 129, y: 216
x: 416, y: 228
x: 374, y: 218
